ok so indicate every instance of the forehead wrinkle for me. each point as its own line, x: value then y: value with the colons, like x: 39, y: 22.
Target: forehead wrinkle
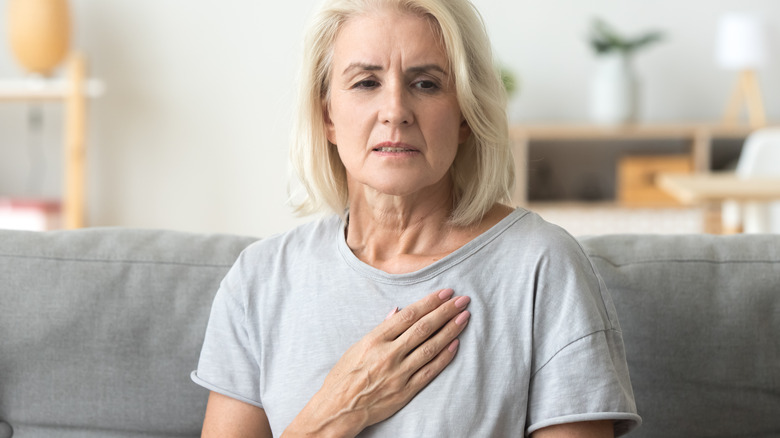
x: 426, y: 68
x: 363, y: 66
x: 375, y: 17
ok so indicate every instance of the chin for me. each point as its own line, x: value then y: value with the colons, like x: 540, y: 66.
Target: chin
x: 406, y: 187
x: 397, y: 191
x: 398, y: 183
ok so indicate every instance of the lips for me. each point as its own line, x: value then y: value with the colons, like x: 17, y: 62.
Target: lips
x: 389, y: 149
x: 394, y: 148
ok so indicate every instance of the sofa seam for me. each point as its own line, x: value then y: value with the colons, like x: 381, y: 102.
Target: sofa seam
x: 681, y: 260
x: 76, y: 427
x: 115, y: 261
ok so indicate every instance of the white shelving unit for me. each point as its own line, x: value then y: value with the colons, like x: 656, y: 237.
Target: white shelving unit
x: 73, y: 91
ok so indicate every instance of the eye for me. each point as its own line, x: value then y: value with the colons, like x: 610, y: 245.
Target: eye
x: 426, y: 85
x: 366, y: 84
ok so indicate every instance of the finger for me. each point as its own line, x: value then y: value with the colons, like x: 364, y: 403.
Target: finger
x: 423, y: 329
x: 409, y: 315
x: 392, y: 312
x: 427, y: 373
x: 431, y: 348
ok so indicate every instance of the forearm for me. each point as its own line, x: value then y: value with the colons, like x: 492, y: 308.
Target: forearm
x: 311, y: 423
x: 586, y: 429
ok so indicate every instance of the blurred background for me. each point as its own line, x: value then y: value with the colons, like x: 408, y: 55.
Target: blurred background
x: 192, y: 130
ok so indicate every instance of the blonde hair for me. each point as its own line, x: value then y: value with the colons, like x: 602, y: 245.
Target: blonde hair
x: 483, y: 170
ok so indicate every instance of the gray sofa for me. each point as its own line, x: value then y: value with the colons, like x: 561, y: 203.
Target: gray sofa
x: 99, y: 329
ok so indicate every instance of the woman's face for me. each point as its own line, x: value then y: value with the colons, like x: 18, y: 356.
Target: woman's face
x: 393, y: 111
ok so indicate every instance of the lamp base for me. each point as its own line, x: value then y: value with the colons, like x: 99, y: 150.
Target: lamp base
x: 746, y: 92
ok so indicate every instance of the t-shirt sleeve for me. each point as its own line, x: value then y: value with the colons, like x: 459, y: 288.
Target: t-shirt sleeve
x: 586, y: 381
x: 227, y: 363
x: 579, y: 366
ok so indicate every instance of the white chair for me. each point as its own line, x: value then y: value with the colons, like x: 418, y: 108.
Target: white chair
x: 760, y: 156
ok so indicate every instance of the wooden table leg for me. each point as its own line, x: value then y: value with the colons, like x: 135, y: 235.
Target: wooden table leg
x: 701, y: 150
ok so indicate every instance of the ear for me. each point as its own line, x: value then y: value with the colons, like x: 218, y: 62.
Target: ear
x: 330, y: 128
x: 464, y: 131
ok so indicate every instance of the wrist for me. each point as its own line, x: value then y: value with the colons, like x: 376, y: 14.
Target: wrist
x: 318, y: 422
x: 330, y: 430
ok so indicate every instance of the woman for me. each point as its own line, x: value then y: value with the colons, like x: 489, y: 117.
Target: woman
x: 403, y: 135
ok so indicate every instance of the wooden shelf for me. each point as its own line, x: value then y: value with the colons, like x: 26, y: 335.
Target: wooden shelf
x: 73, y: 91
x: 31, y: 89
x: 700, y: 135
x: 660, y: 131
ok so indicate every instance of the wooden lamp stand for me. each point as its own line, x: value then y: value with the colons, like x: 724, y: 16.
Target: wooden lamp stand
x: 74, y: 196
x: 746, y: 92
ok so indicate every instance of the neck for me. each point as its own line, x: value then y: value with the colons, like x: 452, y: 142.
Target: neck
x: 397, y: 233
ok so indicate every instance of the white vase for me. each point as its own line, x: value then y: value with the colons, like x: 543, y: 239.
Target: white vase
x: 615, y: 90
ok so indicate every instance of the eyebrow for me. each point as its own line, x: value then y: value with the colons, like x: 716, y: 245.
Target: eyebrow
x: 371, y: 67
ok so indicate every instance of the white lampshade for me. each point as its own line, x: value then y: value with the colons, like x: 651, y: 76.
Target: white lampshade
x: 741, y: 41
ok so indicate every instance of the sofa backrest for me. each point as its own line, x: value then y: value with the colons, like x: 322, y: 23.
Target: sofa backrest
x: 701, y: 323
x: 99, y: 329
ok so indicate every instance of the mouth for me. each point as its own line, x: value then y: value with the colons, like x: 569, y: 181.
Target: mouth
x: 395, y: 148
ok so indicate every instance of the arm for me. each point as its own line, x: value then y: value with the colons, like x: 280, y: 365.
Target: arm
x: 589, y: 429
x: 227, y: 417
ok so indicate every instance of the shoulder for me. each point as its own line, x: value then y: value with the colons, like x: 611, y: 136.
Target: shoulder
x: 525, y: 246
x: 566, y: 281
x: 554, y: 251
x: 530, y: 233
x: 281, y: 253
x: 561, y: 270
x: 296, y: 241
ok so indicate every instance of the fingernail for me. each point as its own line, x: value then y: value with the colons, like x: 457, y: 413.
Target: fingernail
x: 461, y: 302
x: 453, y: 346
x: 446, y: 294
x: 463, y: 317
x: 392, y: 312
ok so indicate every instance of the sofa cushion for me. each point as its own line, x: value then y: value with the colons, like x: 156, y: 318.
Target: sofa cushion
x: 701, y: 323
x: 101, y: 327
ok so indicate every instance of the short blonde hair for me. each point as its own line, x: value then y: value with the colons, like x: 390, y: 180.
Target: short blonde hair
x: 483, y: 170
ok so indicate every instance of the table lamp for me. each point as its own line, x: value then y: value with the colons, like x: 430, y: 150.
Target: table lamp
x: 39, y: 33
x: 742, y: 46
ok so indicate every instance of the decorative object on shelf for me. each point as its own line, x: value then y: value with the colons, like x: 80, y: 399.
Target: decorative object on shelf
x: 742, y: 46
x: 512, y: 86
x: 39, y: 33
x: 615, y: 88
x: 509, y: 79
x: 29, y: 214
x: 636, y: 175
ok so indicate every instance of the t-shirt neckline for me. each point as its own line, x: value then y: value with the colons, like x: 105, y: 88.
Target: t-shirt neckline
x: 432, y: 270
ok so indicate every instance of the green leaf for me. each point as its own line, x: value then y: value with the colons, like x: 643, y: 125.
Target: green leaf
x: 604, y: 38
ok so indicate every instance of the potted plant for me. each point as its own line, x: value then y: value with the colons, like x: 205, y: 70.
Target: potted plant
x: 509, y: 80
x: 615, y: 91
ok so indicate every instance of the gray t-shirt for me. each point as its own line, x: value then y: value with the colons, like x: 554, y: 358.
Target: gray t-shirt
x: 543, y: 345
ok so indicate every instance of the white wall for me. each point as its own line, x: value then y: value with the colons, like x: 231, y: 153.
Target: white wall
x: 192, y: 132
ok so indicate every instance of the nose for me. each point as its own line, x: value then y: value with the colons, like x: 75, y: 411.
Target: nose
x: 395, y: 106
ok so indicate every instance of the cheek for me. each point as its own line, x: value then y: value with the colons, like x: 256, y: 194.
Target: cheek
x: 447, y: 126
x: 347, y: 123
